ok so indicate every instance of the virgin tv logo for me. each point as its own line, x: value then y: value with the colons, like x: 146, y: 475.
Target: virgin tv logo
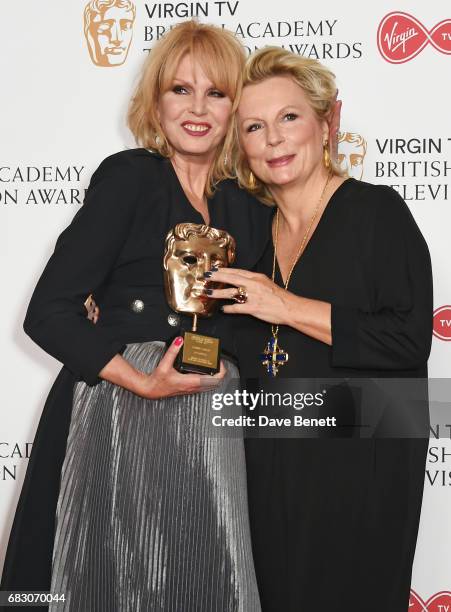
x: 440, y: 602
x: 401, y: 37
x: 442, y: 324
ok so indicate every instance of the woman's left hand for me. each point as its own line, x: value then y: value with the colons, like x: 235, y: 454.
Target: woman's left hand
x: 273, y: 304
x: 265, y: 299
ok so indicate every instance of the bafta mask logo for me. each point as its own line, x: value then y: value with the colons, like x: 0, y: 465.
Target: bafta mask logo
x: 191, y: 250
x: 109, y: 30
x: 351, y: 153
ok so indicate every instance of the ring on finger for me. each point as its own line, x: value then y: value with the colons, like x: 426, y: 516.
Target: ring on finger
x: 241, y: 295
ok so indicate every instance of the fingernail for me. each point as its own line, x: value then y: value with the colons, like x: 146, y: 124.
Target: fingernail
x: 178, y: 341
x: 207, y: 274
x: 208, y: 291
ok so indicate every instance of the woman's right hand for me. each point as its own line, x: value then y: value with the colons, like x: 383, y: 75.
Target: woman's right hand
x: 165, y: 381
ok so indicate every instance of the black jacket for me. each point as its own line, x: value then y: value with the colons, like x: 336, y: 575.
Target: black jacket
x: 114, y: 248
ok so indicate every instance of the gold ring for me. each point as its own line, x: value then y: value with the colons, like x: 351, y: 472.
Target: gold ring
x: 240, y: 295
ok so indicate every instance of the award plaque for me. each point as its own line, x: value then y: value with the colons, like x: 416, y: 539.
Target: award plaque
x: 191, y: 250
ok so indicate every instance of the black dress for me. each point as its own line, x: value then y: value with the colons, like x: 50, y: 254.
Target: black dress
x: 334, y: 521
x: 113, y: 248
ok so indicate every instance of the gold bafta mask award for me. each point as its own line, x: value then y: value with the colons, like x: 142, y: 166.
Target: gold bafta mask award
x: 190, y: 251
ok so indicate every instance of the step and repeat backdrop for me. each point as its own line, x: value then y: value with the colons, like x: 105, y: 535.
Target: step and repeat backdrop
x: 68, y: 70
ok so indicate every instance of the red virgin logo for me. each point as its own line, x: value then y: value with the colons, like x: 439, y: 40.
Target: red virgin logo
x: 401, y: 37
x: 442, y: 325
x: 440, y: 602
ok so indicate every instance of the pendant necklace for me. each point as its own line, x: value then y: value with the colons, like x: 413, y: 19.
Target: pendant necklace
x: 273, y: 355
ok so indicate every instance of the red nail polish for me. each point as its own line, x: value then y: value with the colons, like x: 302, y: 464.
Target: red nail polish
x: 178, y: 341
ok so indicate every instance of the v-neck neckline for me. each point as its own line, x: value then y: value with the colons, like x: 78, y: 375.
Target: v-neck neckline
x: 185, y: 198
x: 278, y: 274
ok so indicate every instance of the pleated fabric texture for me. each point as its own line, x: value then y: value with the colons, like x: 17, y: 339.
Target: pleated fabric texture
x: 152, y: 513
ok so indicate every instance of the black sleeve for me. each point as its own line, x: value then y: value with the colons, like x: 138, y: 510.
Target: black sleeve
x: 396, y: 332
x: 84, y: 255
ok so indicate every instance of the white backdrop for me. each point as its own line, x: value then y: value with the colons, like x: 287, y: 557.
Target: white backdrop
x: 62, y: 113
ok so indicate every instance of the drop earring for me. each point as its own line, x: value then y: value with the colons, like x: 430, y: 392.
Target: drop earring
x: 326, y: 155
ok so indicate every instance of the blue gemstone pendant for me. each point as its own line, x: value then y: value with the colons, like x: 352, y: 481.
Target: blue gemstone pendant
x: 273, y: 357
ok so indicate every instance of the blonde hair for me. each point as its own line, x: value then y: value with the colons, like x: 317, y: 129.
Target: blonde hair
x: 316, y: 81
x: 222, y: 58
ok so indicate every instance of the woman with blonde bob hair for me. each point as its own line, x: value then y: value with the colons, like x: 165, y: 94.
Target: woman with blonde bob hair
x: 343, y: 291
x: 318, y: 84
x: 222, y: 60
x: 143, y: 508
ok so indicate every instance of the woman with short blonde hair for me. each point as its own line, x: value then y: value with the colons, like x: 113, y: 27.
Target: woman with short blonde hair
x: 343, y: 292
x: 318, y: 84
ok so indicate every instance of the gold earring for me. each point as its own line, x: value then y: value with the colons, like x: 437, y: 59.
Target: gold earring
x: 252, y: 181
x: 326, y: 155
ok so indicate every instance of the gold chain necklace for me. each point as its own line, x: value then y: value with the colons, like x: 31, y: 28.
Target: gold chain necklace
x: 274, y: 356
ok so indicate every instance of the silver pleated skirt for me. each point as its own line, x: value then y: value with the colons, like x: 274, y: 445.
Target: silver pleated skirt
x: 152, y: 511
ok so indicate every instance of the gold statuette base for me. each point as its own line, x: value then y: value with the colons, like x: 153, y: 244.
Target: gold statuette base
x: 199, y: 354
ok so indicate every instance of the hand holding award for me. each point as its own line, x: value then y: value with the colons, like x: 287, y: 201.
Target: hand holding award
x: 190, y: 251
